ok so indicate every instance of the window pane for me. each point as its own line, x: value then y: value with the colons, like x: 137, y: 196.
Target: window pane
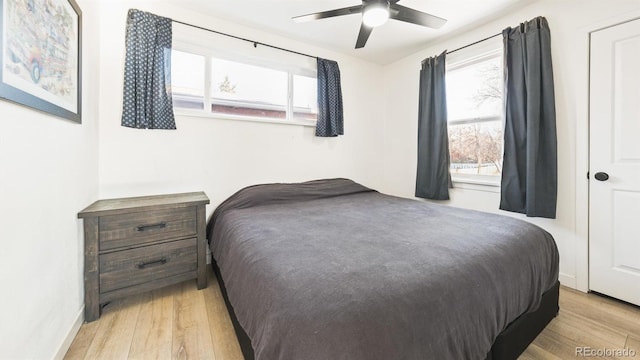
x: 475, y: 90
x: 187, y: 80
x: 248, y: 90
x: 476, y: 148
x: 305, y: 97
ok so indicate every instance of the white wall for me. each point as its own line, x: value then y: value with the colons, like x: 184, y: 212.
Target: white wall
x: 49, y: 172
x: 221, y: 156
x: 567, y: 20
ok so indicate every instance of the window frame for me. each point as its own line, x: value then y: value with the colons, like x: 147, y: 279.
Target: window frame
x: 492, y: 49
x: 210, y: 52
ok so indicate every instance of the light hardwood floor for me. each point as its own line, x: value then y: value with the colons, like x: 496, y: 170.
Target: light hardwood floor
x: 180, y: 322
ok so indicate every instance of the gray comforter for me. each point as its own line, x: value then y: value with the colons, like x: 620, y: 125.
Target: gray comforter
x: 330, y: 269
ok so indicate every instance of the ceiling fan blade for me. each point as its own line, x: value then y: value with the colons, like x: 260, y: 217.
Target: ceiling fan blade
x: 327, y: 14
x: 415, y: 17
x: 363, y: 36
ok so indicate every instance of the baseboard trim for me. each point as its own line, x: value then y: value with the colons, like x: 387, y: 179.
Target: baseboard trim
x: 568, y: 281
x: 75, y: 327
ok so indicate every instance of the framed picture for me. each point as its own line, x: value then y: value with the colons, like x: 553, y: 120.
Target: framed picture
x: 40, y: 66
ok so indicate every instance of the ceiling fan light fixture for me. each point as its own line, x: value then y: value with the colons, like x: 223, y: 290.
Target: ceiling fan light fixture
x: 375, y: 13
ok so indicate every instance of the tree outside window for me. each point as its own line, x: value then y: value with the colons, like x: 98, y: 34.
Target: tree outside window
x: 474, y: 106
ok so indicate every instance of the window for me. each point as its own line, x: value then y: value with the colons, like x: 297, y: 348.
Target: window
x: 474, y: 108
x: 187, y: 80
x: 268, y: 86
x: 305, y: 97
x: 248, y: 90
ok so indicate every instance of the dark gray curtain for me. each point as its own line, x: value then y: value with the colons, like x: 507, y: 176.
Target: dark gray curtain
x: 529, y: 174
x: 147, y: 100
x: 433, y: 177
x: 330, y: 117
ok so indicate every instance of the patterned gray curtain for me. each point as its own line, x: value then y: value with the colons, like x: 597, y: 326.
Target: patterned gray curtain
x: 330, y: 118
x: 530, y: 171
x: 147, y: 102
x: 433, y: 178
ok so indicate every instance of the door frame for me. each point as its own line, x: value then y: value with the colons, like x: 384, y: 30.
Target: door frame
x: 582, y: 62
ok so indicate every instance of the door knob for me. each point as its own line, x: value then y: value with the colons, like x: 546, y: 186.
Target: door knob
x: 601, y: 176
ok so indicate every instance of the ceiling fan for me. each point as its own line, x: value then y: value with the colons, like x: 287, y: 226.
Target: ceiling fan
x: 376, y: 13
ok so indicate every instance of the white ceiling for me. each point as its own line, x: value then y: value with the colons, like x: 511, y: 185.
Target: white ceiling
x: 389, y: 42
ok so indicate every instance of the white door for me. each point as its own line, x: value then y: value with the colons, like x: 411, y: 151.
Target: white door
x: 614, y: 164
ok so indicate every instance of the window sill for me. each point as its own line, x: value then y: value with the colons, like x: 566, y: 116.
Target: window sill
x: 476, y: 184
x: 202, y: 114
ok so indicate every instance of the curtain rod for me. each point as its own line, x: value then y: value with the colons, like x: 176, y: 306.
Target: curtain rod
x: 477, y: 42
x: 255, y: 43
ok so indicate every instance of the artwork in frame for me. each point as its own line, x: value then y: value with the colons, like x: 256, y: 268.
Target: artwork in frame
x: 40, y: 64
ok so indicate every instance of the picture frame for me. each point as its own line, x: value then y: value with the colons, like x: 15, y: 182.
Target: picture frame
x: 41, y: 53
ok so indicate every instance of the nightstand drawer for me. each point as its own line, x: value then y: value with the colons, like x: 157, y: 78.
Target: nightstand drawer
x: 143, y: 227
x: 126, y: 268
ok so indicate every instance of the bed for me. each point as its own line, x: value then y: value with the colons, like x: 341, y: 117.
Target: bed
x: 330, y: 269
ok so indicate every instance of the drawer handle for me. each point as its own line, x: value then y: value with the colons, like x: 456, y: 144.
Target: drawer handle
x: 161, y: 225
x: 142, y: 264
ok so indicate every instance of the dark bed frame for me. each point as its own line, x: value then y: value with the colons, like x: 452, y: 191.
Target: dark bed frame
x: 509, y: 344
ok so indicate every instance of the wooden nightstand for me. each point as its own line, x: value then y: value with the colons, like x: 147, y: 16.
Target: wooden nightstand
x: 137, y: 244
